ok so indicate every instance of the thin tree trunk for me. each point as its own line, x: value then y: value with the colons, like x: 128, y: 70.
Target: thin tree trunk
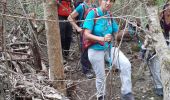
x: 34, y: 43
x: 54, y: 45
x: 161, y: 49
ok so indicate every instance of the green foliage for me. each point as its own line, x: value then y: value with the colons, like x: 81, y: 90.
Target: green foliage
x: 159, y: 2
x: 156, y: 2
x: 40, y: 11
x: 37, y: 8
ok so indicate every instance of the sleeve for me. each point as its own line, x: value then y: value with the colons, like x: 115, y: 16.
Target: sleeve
x: 89, y: 21
x: 115, y: 26
x: 79, y: 9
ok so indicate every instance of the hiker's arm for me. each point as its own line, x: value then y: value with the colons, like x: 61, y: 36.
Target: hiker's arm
x: 72, y: 20
x: 89, y: 36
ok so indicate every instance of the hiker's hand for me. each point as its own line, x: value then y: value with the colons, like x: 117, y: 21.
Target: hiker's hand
x: 142, y: 52
x: 108, y: 38
x: 79, y: 29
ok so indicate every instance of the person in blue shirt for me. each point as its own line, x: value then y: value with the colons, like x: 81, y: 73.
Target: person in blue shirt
x: 78, y: 13
x: 102, y: 30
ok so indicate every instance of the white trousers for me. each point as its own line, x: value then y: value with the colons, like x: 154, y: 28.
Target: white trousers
x: 97, y: 58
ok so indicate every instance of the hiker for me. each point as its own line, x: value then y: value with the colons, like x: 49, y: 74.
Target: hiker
x: 79, y: 12
x: 64, y: 10
x: 165, y: 22
x: 100, y: 31
x: 152, y: 60
x: 154, y: 67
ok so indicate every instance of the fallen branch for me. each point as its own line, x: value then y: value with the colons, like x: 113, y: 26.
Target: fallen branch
x: 22, y: 60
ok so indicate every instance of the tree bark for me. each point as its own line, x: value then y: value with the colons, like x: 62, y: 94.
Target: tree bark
x: 161, y: 49
x: 54, y: 45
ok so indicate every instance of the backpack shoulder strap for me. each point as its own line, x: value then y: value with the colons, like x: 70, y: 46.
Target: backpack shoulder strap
x: 84, y: 9
x: 111, y: 18
x: 111, y: 15
x: 96, y: 14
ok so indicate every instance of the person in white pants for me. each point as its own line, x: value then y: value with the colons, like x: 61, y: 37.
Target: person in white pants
x: 101, y: 31
x: 122, y: 63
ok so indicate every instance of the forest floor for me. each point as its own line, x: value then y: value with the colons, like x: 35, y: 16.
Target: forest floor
x: 84, y: 89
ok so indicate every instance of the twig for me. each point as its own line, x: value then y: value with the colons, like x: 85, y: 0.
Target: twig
x: 19, y: 43
x: 23, y: 60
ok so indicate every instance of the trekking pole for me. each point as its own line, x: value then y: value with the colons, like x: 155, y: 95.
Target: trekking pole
x: 110, y: 69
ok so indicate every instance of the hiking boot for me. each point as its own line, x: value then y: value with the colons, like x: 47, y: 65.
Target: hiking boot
x: 101, y: 98
x: 89, y: 75
x: 158, y: 91
x: 64, y: 62
x: 128, y: 96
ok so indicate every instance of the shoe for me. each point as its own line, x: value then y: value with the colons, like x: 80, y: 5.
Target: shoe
x: 89, y: 75
x: 101, y: 98
x: 158, y: 91
x: 128, y: 96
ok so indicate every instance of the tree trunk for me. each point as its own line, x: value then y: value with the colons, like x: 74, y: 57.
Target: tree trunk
x: 54, y: 45
x: 161, y: 50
